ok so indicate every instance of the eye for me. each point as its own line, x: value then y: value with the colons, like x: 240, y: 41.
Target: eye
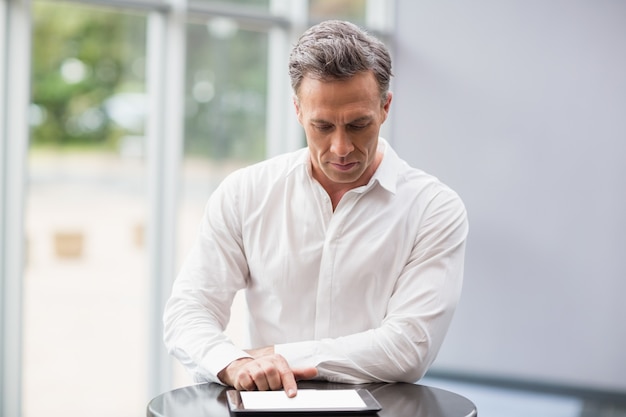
x: 358, y: 126
x: 323, y: 127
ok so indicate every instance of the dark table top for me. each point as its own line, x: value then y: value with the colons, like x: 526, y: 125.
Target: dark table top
x: 397, y: 400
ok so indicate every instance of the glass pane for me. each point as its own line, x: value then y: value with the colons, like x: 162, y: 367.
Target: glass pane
x: 86, y: 277
x: 257, y: 4
x: 352, y: 10
x: 226, y: 92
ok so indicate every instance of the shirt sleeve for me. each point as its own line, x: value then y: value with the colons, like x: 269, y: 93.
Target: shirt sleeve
x: 418, y: 314
x: 198, y: 309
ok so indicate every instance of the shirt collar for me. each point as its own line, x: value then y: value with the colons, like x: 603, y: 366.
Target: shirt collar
x: 387, y: 172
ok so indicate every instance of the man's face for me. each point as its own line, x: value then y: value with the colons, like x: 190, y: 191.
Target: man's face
x: 342, y: 121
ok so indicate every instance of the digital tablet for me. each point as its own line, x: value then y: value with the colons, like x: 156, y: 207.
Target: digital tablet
x: 336, y: 401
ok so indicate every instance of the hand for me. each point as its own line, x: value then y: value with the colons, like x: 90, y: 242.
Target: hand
x: 264, y: 371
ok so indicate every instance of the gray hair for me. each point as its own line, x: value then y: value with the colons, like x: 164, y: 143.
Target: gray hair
x: 338, y: 50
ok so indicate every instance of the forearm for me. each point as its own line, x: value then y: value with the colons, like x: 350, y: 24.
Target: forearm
x: 196, y: 339
x: 195, y: 318
x: 386, y: 354
x: 198, y: 310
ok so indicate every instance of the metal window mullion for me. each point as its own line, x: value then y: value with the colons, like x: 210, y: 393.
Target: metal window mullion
x: 240, y: 13
x: 164, y: 138
x: 15, y: 44
x: 142, y: 5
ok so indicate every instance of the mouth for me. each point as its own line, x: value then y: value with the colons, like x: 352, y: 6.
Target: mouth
x: 343, y: 167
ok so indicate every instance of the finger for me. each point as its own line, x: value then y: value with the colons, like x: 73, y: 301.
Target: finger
x: 273, y: 371
x: 288, y: 382
x: 304, y: 373
x: 290, y: 386
x: 279, y: 374
x: 258, y: 373
x: 273, y: 377
x: 244, y: 381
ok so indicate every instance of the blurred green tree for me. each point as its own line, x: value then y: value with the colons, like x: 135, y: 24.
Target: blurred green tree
x: 83, y: 57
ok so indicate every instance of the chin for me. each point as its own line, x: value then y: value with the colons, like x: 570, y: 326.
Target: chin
x: 347, y: 178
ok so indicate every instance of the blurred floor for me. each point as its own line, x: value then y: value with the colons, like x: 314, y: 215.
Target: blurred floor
x: 86, y: 285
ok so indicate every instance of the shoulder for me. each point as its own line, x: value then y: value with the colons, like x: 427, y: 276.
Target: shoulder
x: 268, y: 171
x: 425, y: 192
x: 411, y: 181
x: 250, y: 186
x: 418, y: 181
x: 246, y: 189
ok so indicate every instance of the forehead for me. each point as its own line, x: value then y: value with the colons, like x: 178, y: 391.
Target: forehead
x: 360, y: 89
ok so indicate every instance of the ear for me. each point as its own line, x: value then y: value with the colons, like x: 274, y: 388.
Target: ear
x: 387, y: 105
x: 296, y: 105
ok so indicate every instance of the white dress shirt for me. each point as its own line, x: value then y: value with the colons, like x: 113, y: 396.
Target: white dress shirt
x: 364, y: 293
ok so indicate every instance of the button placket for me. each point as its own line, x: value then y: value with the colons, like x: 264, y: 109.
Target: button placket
x: 325, y: 295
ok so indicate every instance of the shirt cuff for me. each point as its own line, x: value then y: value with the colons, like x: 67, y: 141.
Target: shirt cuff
x: 299, y: 354
x: 220, y: 357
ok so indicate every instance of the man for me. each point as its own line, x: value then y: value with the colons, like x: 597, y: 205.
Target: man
x: 351, y: 261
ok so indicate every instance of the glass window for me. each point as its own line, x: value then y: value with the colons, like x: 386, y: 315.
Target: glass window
x: 352, y: 10
x: 85, y: 283
x: 225, y: 92
x: 226, y: 82
x: 250, y: 4
x: 87, y: 318
x: 225, y: 114
x: 264, y: 3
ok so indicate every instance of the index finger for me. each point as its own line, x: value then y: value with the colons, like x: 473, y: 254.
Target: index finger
x: 288, y: 380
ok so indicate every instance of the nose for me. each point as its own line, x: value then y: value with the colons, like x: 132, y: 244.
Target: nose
x: 340, y: 144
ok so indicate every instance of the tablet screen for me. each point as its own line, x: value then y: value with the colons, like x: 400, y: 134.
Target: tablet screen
x: 307, y: 400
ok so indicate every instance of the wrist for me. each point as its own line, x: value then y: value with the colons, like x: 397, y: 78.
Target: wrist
x: 260, y: 352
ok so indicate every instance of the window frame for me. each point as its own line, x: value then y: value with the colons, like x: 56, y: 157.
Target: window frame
x: 167, y: 19
x: 14, y: 104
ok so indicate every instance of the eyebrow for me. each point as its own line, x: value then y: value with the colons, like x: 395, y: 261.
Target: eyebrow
x: 357, y: 120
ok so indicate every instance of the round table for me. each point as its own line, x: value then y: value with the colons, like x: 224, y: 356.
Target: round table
x: 397, y: 400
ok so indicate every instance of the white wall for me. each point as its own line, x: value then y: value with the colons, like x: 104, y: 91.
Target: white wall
x: 520, y: 105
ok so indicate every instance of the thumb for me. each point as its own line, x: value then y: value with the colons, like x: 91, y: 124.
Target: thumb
x: 304, y: 373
